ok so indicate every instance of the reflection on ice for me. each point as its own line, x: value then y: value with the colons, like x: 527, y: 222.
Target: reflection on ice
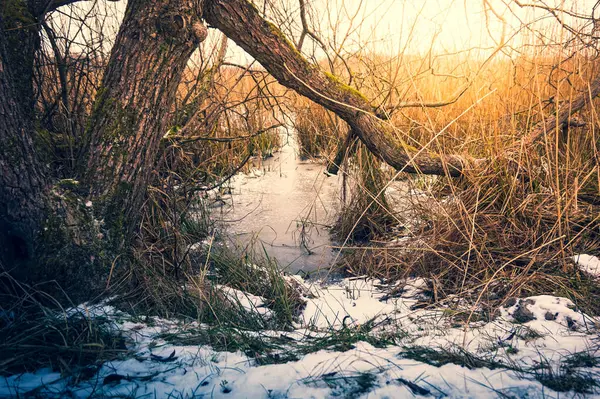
x: 286, y: 204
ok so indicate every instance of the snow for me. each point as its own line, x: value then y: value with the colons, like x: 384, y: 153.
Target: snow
x: 588, y: 263
x: 248, y: 302
x: 357, y: 300
x: 164, y: 369
x: 354, y: 301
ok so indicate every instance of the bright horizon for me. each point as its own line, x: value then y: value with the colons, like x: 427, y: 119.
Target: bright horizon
x: 398, y: 26
x: 414, y: 28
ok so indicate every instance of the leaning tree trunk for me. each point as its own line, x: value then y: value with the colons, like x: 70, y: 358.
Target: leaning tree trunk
x: 153, y: 46
x: 267, y: 44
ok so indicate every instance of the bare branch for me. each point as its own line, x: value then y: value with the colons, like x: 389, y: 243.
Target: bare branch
x: 182, y: 139
x: 387, y: 111
x: 341, y: 154
x: 306, y: 31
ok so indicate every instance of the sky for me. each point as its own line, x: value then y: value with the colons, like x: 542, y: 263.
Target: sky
x: 406, y: 26
x: 415, y: 26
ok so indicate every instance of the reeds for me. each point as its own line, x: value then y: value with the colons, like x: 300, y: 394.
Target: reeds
x: 510, y: 225
x: 318, y: 131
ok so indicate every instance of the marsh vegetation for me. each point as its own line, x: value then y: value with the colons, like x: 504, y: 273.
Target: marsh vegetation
x: 295, y: 183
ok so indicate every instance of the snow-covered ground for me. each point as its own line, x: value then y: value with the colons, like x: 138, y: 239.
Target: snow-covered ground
x: 537, y: 333
x: 588, y: 263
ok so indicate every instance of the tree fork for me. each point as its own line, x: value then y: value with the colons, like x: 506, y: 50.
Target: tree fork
x: 46, y: 229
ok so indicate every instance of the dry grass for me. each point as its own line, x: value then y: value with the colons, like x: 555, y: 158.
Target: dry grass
x: 510, y: 226
x: 365, y: 215
x: 319, y: 132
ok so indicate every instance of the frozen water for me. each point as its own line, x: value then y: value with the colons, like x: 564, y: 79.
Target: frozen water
x: 287, y: 205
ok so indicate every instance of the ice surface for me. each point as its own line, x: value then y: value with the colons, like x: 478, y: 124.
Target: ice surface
x: 286, y: 203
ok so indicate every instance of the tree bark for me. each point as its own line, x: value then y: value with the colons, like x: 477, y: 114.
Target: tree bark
x: 44, y: 232
x: 153, y: 46
x: 242, y: 23
x: 21, y: 40
x: 22, y: 176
